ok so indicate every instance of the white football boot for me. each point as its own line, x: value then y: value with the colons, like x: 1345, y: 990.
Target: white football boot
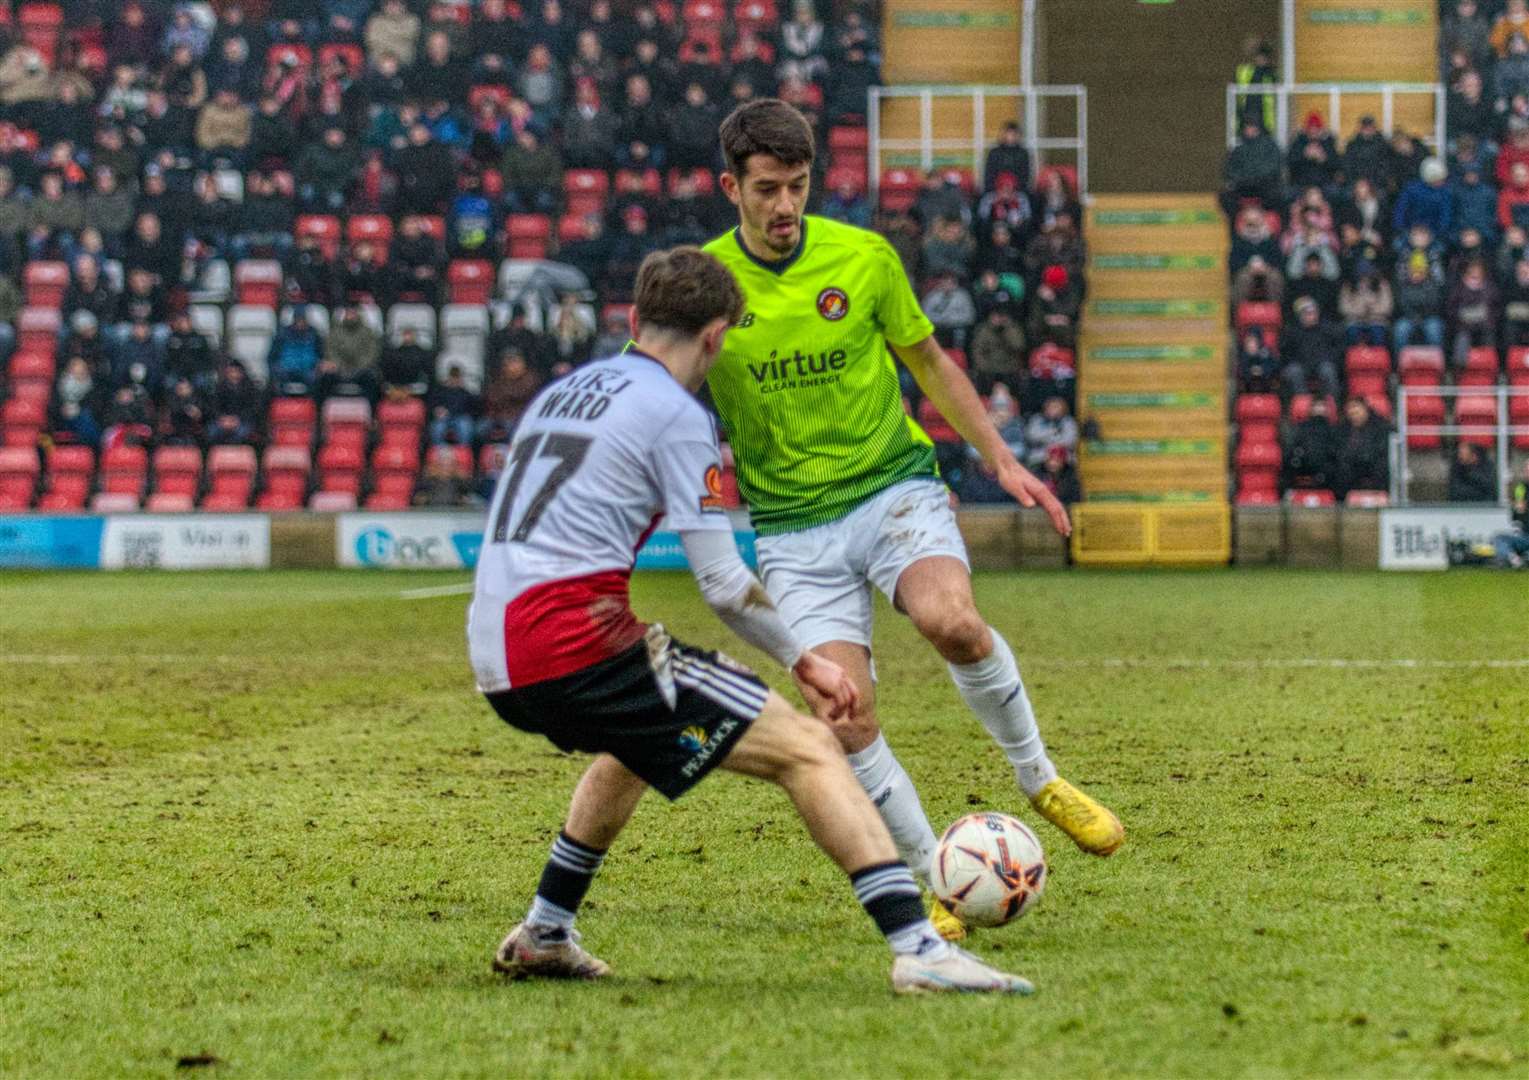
x: 953, y: 970
x: 521, y: 955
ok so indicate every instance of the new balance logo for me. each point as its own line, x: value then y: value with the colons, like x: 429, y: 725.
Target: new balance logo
x: 745, y: 322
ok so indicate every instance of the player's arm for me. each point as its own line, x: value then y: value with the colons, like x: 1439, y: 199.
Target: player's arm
x: 952, y: 392
x: 740, y: 601
x: 688, y: 469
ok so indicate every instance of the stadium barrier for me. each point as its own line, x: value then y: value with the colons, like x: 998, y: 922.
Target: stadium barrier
x: 1418, y: 108
x: 1140, y: 534
x: 998, y: 538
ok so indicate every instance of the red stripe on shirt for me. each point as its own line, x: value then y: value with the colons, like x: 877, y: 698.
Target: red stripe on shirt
x: 561, y: 627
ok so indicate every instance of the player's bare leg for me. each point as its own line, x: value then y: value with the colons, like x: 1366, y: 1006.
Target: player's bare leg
x: 882, y: 776
x: 804, y: 758
x: 546, y: 943
x: 936, y: 594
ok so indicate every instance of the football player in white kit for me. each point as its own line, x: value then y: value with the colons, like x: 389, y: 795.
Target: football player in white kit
x: 600, y: 456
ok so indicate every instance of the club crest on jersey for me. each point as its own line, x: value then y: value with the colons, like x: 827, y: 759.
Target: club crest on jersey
x: 833, y: 304
x: 712, y: 500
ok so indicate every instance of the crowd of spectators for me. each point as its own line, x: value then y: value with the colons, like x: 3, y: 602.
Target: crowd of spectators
x: 1361, y: 239
x: 145, y: 144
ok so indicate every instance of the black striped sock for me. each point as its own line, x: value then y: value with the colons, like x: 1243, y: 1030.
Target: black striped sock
x: 889, y: 895
x: 570, y: 868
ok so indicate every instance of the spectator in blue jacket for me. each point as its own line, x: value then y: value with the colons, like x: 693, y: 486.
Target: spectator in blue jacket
x: 1426, y: 201
x: 1475, y: 204
x: 296, y: 351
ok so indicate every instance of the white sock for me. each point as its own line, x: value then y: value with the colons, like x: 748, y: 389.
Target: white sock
x: 548, y: 921
x: 919, y: 939
x: 994, y: 691
x: 887, y: 783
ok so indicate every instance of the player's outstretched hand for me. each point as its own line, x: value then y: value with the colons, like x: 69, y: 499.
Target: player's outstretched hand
x: 1021, y: 483
x: 826, y: 686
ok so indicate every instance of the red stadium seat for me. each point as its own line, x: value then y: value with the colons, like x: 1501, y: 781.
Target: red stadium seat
x: 1483, y: 359
x: 1259, y: 496
x: 21, y: 421
x: 846, y: 176
x: 1421, y: 358
x: 1367, y: 500
x: 1366, y: 386
x: 231, y: 477
x: 1518, y: 365
x: 340, y: 468
x: 1251, y: 313
x: 527, y: 236
x: 332, y: 501
x: 645, y: 181
x: 31, y: 376
x: 286, y: 478
x: 46, y: 283
x: 899, y: 189
x: 1312, y: 497
x: 19, y: 470
x: 324, y: 227
x: 70, y: 471
x: 170, y: 502
x: 1258, y: 431
x: 291, y: 421
x: 958, y: 357
x: 115, y: 502
x: 491, y: 459
x: 756, y: 15
x: 1424, y: 410
x: 401, y: 417
x: 258, y: 282
x: 374, y: 228
x: 177, y: 470
x: 346, y: 421
x: 584, y: 191
x: 1258, y: 407
x: 471, y: 281
x: 1367, y: 360
x: 1300, y: 408
x: 1256, y: 457
x: 125, y: 469
x: 37, y: 330
x: 1069, y: 174
x: 1478, y: 410
x: 935, y: 425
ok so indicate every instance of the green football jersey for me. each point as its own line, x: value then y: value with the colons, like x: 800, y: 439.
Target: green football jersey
x: 806, y: 386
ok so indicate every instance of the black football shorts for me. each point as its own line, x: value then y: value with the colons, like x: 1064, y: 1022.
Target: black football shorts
x: 667, y: 711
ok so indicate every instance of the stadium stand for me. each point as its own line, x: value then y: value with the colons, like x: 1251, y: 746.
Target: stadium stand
x: 365, y: 214
x: 1367, y: 271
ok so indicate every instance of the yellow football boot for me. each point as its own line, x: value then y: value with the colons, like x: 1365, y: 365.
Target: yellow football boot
x: 1092, y: 827
x: 945, y: 922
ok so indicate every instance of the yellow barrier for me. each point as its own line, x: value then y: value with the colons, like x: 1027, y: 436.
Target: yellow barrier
x: 1140, y: 534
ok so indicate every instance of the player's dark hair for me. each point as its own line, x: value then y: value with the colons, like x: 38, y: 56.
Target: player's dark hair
x: 766, y: 126
x: 684, y: 289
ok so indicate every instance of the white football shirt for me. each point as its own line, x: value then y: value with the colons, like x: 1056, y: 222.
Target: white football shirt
x: 599, y: 457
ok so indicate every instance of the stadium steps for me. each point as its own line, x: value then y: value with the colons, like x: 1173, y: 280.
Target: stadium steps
x: 1153, y: 354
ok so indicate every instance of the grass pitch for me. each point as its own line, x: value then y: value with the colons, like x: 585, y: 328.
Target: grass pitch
x: 260, y: 822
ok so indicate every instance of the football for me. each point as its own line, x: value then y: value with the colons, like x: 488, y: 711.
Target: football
x: 989, y: 869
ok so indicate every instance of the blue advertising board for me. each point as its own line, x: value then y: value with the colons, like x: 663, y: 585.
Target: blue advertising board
x: 50, y: 543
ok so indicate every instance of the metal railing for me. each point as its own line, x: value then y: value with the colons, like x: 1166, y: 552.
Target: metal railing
x: 1032, y: 102
x: 1502, y: 432
x: 1335, y: 93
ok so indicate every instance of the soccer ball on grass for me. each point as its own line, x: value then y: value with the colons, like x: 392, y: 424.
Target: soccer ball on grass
x: 988, y: 869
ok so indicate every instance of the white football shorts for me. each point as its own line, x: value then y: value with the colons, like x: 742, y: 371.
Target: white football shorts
x: 821, y: 578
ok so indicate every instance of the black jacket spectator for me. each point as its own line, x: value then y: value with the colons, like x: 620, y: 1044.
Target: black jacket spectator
x: 1008, y: 156
x: 1472, y: 475
x: 1363, y: 462
x: 1311, y: 454
x: 1368, y: 155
